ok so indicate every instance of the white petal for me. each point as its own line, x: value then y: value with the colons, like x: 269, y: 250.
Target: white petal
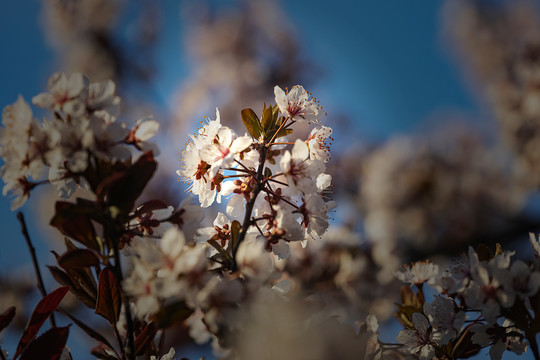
x: 240, y: 144
x: 300, y: 150
x: 147, y: 130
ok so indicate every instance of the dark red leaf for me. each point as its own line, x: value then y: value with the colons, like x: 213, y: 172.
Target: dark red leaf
x: 88, y: 330
x: 78, y: 258
x: 109, y: 297
x: 6, y: 317
x: 103, y: 352
x: 60, y: 276
x: 42, y: 311
x: 48, y: 346
x: 122, y: 188
x: 72, y: 280
x: 73, y: 220
x: 144, y: 338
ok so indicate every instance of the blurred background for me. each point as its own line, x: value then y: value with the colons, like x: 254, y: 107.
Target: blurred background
x: 435, y: 108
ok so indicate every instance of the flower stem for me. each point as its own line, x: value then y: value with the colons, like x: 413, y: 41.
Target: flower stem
x: 40, y: 284
x: 129, y: 350
x: 249, y: 206
x: 531, y: 336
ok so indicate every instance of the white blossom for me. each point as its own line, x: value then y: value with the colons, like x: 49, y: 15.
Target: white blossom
x: 297, y: 105
x: 318, y: 148
x: 418, y: 341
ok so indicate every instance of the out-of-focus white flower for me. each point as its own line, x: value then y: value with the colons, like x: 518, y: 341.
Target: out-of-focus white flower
x: 535, y: 244
x: 167, y: 356
x: 67, y: 93
x: 102, y: 101
x: 418, y: 272
x: 253, y: 259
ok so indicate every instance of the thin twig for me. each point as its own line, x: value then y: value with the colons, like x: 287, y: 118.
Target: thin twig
x: 278, y: 130
x: 533, y: 344
x: 40, y: 284
x: 270, y: 192
x: 130, y: 349
x: 244, y: 166
x: 278, y: 182
x: 249, y: 205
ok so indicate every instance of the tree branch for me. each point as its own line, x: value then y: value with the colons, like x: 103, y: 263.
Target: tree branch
x: 40, y: 285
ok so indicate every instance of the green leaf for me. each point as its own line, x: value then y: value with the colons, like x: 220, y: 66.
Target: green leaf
x: 267, y: 173
x: 268, y: 121
x: 251, y: 122
x: 284, y: 132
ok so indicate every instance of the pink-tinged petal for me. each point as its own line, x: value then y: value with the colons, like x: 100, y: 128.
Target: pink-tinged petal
x: 281, y: 99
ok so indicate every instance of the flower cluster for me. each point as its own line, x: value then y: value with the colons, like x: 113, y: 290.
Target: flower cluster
x: 474, y: 293
x: 82, y: 132
x: 291, y: 182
